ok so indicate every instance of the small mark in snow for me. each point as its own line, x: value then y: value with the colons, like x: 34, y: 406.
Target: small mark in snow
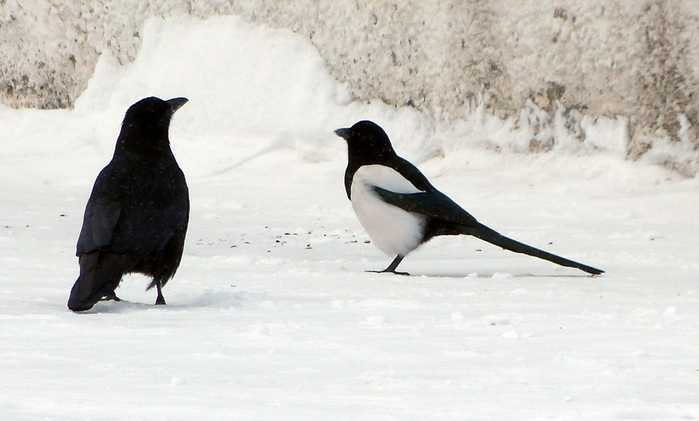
x: 376, y: 319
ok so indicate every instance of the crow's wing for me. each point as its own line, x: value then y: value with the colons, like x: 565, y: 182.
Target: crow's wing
x: 145, y: 227
x: 134, y: 213
x: 433, y: 204
x: 102, y: 214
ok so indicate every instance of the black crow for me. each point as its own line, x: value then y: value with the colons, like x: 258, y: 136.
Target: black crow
x: 401, y: 210
x: 136, y: 218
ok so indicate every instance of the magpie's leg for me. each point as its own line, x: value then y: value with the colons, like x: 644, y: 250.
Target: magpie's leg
x: 392, y: 267
x: 160, y: 301
x: 394, y: 264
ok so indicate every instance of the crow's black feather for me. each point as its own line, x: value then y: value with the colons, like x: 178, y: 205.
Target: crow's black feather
x: 137, y: 215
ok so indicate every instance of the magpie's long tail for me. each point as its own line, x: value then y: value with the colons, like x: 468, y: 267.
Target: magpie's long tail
x: 493, y: 237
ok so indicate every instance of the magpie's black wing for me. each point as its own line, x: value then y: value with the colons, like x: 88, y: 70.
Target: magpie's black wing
x: 433, y: 204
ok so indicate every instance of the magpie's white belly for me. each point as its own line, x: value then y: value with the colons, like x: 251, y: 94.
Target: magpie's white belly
x: 393, y: 230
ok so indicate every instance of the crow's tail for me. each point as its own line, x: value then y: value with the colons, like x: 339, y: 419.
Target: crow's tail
x: 100, y: 274
x: 493, y: 237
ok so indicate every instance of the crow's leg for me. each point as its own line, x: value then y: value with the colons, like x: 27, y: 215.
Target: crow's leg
x: 111, y: 296
x: 160, y: 301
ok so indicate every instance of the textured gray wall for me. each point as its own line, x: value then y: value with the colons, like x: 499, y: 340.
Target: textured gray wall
x: 637, y: 59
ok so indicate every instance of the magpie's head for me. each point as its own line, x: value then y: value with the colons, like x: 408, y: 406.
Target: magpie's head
x: 367, y: 141
x: 147, y: 122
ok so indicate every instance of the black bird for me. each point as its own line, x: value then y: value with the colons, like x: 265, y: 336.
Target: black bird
x: 400, y: 209
x: 136, y: 218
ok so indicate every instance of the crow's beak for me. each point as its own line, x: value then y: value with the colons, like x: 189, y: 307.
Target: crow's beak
x: 176, y: 103
x: 343, y: 133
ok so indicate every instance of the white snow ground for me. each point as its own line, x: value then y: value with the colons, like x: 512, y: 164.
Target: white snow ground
x: 272, y: 315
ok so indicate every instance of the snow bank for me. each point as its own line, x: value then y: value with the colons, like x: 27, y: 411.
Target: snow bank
x: 255, y: 90
x: 632, y: 62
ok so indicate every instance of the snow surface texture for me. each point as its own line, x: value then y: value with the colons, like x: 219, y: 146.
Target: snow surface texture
x: 540, y: 67
x: 272, y: 315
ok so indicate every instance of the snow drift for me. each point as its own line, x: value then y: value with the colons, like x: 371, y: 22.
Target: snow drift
x: 539, y: 66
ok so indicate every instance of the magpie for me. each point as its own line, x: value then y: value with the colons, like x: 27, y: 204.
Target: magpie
x: 137, y: 215
x: 400, y: 209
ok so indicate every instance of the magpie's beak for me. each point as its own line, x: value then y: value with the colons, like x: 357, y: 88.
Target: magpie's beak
x: 343, y: 133
x: 176, y: 103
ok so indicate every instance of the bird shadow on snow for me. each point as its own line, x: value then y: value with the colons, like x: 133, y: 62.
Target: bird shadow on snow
x: 281, y: 141
x: 244, y: 299
x: 208, y: 299
x: 122, y: 306
x: 484, y: 275
x: 498, y: 275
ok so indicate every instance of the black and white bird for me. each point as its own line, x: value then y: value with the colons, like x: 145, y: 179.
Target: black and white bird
x: 400, y: 209
x: 137, y: 215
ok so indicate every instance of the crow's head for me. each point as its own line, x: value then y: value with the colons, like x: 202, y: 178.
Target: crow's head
x: 146, y: 124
